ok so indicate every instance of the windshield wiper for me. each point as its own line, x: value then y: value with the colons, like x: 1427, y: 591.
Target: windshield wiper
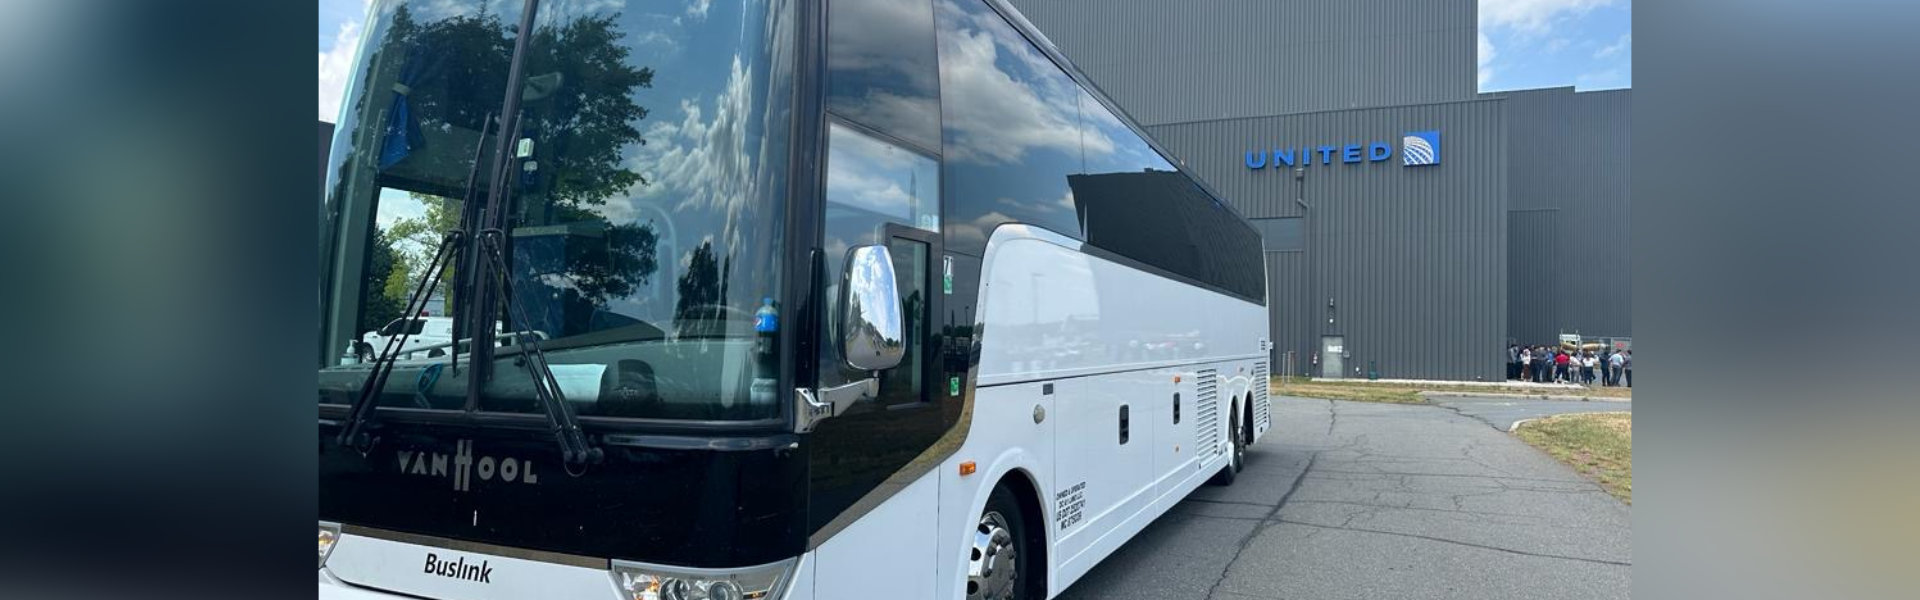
x: 352, y: 432
x: 574, y: 448
x: 360, y: 414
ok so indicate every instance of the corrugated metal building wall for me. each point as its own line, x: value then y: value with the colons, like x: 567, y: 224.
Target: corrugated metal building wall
x: 1171, y: 62
x: 1518, y: 234
x: 1291, y: 326
x: 1413, y: 259
x: 1568, y: 189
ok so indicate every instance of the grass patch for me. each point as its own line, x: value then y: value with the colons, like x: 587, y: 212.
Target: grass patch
x: 1598, y: 445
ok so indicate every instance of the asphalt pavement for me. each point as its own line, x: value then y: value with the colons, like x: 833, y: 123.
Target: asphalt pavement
x: 1361, y: 500
x: 1504, y: 412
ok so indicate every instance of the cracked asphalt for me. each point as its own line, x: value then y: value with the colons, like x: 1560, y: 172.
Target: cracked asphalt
x: 1504, y: 412
x: 1361, y: 500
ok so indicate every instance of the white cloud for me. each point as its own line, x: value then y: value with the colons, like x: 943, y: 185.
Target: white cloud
x: 1558, y: 44
x: 886, y: 29
x: 698, y: 8
x: 336, y: 68
x: 337, y: 60
x: 974, y: 233
x: 704, y: 162
x: 1620, y: 46
x: 1532, y: 16
x: 877, y: 176
x: 551, y: 12
x: 1487, y: 53
x: 998, y: 119
x: 887, y: 110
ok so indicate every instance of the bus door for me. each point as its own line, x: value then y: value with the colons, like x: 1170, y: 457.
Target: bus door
x: 878, y: 192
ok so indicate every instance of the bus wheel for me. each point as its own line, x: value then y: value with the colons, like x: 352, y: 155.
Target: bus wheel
x: 998, y: 557
x: 1236, y: 454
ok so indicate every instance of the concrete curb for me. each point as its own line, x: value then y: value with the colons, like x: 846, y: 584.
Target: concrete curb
x: 1560, y: 397
x: 1516, y: 424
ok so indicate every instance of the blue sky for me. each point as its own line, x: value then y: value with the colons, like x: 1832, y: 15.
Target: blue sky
x: 339, y: 31
x: 1524, y: 44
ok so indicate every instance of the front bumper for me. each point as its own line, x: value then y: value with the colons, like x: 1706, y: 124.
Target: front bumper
x: 363, y: 568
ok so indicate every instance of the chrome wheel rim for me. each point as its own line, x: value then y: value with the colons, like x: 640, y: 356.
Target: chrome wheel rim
x: 993, y: 562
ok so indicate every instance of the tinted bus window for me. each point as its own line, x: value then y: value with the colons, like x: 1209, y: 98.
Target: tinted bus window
x: 1133, y: 203
x: 881, y: 67
x: 1011, y: 126
x: 1112, y: 146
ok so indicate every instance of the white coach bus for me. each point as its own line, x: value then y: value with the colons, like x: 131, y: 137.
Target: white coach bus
x: 835, y: 299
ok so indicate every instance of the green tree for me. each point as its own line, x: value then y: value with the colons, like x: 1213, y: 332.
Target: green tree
x: 579, y: 112
x: 589, y: 116
x: 378, y: 304
x: 415, y: 240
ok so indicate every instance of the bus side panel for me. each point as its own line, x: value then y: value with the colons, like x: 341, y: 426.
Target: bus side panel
x: 884, y: 553
x: 1105, y: 478
x: 1186, y: 454
x: 1108, y: 335
x: 1003, y: 441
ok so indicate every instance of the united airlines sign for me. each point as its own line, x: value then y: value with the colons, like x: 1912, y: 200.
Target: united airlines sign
x: 1417, y: 149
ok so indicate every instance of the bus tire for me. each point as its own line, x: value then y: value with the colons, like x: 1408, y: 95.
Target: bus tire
x: 1236, y: 451
x: 999, y: 562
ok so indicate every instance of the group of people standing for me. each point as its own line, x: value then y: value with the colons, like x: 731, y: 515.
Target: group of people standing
x: 1545, y: 364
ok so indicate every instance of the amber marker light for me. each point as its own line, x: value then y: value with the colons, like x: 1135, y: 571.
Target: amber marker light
x: 967, y: 468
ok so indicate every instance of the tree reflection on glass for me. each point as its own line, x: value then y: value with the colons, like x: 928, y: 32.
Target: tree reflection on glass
x: 701, y: 310
x: 578, y: 113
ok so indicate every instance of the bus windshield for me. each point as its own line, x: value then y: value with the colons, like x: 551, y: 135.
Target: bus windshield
x: 644, y: 203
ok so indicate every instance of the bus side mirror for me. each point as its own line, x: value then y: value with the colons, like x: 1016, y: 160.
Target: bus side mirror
x: 871, y: 337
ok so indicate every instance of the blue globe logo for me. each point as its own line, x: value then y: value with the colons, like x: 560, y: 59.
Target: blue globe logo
x: 1420, y: 148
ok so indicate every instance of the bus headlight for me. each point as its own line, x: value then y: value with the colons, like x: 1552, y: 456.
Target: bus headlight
x: 329, y: 533
x: 638, y: 581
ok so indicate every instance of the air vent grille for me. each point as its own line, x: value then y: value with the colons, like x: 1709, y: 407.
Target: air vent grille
x: 1207, y: 437
x: 1262, y: 413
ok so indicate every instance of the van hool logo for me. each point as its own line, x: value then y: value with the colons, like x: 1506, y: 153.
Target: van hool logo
x: 1420, y: 148
x: 434, y: 464
x: 1417, y: 149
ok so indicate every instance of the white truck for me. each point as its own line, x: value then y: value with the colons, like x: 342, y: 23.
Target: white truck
x: 431, y: 335
x: 427, y: 337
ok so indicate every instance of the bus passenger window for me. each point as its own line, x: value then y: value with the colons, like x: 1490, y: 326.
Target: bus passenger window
x: 871, y: 180
x: 881, y: 68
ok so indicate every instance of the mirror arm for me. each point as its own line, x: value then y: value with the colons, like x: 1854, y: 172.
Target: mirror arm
x: 810, y: 407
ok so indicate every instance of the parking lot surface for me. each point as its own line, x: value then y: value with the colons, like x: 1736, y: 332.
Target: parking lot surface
x: 1503, y: 412
x: 1359, y: 500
